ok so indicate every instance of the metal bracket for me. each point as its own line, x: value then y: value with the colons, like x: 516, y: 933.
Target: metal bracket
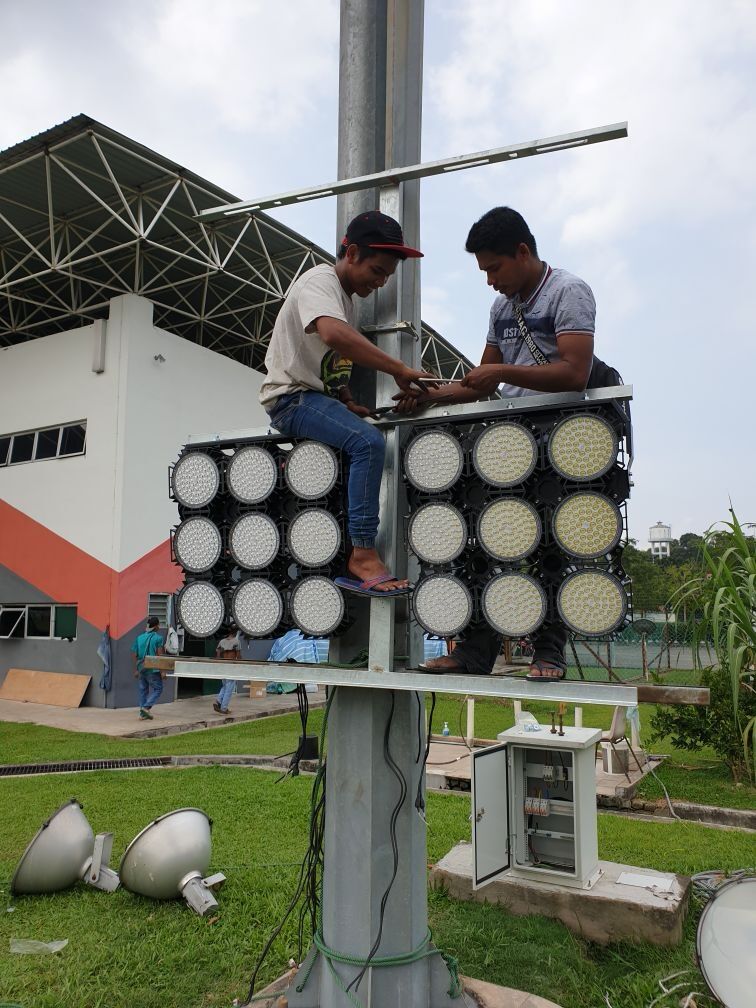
x: 401, y: 327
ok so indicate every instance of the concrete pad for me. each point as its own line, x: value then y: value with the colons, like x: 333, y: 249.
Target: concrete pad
x: 606, y: 913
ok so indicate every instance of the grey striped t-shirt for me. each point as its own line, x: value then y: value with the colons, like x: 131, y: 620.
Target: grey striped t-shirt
x: 560, y: 303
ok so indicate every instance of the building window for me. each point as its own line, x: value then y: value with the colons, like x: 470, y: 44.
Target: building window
x: 46, y: 443
x: 37, y: 622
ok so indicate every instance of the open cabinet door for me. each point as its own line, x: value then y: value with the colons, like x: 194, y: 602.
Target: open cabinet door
x: 490, y: 814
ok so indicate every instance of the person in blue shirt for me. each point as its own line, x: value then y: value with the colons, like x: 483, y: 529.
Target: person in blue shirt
x: 149, y: 681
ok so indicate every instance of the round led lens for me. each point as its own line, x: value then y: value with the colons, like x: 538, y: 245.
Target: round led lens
x: 254, y: 541
x: 442, y: 605
x: 433, y: 461
x: 587, y: 525
x: 311, y: 470
x: 195, y: 479
x: 314, y: 538
x: 200, y: 608
x: 505, y: 454
x: 317, y: 606
x: 251, y: 475
x: 592, y: 603
x: 437, y: 533
x: 257, y: 607
x: 514, y: 604
x: 583, y: 447
x: 197, y: 544
x: 509, y: 529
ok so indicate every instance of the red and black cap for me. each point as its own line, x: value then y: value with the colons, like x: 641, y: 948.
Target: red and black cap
x: 375, y: 230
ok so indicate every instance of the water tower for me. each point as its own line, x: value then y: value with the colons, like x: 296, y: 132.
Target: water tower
x: 660, y: 538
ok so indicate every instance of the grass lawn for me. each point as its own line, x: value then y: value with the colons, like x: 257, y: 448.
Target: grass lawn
x: 128, y: 952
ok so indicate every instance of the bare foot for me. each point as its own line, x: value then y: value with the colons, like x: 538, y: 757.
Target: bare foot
x: 366, y: 564
x: 545, y: 670
x: 444, y: 663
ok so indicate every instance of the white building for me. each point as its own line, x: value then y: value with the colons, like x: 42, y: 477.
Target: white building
x: 660, y: 539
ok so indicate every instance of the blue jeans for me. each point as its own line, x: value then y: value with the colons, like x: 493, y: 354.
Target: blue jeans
x: 150, y: 688
x: 317, y: 416
x: 226, y: 692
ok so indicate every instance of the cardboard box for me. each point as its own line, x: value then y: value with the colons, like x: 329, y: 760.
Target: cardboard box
x: 257, y: 688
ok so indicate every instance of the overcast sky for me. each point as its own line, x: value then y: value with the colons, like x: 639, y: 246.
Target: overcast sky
x: 661, y: 225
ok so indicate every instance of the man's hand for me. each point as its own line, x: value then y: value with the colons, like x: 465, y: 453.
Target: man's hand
x: 408, y: 402
x: 360, y: 411
x: 484, y: 379
x: 407, y: 379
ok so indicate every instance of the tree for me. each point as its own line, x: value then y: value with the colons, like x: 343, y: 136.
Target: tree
x: 650, y: 591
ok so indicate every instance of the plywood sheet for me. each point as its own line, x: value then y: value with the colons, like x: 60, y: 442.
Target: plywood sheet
x: 60, y: 689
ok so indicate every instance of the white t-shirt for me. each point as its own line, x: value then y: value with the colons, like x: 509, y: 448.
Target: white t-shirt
x: 297, y: 357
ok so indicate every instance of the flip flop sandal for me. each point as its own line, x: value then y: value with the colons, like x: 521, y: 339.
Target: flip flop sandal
x: 454, y: 669
x: 541, y: 666
x: 369, y: 587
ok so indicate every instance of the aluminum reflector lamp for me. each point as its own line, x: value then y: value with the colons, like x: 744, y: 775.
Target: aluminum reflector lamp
x: 311, y: 470
x: 197, y: 544
x: 195, y: 479
x: 433, y: 461
x: 442, y: 605
x: 726, y: 942
x: 437, y: 533
x: 592, y: 603
x: 509, y: 529
x: 505, y: 454
x: 63, y: 851
x: 254, y: 541
x: 314, y: 537
x: 583, y: 447
x: 317, y: 606
x: 587, y: 525
x: 200, y: 608
x: 257, y: 607
x: 514, y: 604
x: 168, y: 859
x: 251, y: 475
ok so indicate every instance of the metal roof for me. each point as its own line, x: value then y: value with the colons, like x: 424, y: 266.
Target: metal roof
x: 86, y: 214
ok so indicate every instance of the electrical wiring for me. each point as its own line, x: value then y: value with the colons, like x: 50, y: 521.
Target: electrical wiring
x: 419, y: 800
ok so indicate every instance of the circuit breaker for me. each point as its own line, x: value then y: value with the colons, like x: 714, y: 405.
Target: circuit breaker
x: 534, y: 806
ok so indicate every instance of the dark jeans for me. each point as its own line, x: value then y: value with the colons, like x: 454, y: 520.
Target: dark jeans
x: 481, y: 646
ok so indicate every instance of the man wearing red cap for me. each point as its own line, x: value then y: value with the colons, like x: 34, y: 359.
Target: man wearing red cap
x: 309, y: 362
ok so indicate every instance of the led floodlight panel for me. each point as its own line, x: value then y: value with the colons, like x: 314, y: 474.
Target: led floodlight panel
x: 514, y: 604
x: 583, y: 447
x: 251, y: 475
x: 254, y: 541
x: 592, y: 603
x: 505, y: 454
x: 314, y: 537
x: 317, y: 606
x: 509, y: 529
x: 195, y: 479
x: 437, y: 533
x: 442, y: 605
x: 197, y: 544
x: 587, y: 525
x: 200, y: 608
x: 311, y: 470
x: 433, y: 461
x: 257, y: 607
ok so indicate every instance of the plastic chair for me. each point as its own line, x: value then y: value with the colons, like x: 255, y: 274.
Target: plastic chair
x: 618, y: 733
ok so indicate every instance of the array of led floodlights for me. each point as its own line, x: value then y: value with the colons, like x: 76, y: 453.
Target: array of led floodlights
x: 261, y: 537
x: 511, y: 519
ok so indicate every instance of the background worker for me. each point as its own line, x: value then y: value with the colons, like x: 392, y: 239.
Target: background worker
x: 229, y: 649
x: 149, y: 681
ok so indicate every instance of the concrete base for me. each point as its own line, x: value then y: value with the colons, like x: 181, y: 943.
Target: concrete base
x: 606, y: 913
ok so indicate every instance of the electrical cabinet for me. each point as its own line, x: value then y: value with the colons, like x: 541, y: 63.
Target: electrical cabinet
x: 534, y: 806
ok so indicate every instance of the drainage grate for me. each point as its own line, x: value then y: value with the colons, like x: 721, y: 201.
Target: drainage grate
x: 76, y: 765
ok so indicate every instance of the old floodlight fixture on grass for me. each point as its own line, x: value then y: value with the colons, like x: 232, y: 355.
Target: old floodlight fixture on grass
x: 197, y: 544
x: 251, y: 475
x: 201, y: 608
x: 314, y: 537
x: 592, y: 603
x: 505, y: 454
x: 442, y: 605
x: 257, y: 607
x: 583, y: 447
x: 168, y: 859
x: 254, y: 541
x: 514, y: 604
x: 509, y: 529
x: 437, y: 533
x: 433, y: 461
x: 317, y: 606
x: 195, y: 479
x: 63, y: 851
x: 587, y: 525
x: 311, y: 470
x: 726, y: 942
